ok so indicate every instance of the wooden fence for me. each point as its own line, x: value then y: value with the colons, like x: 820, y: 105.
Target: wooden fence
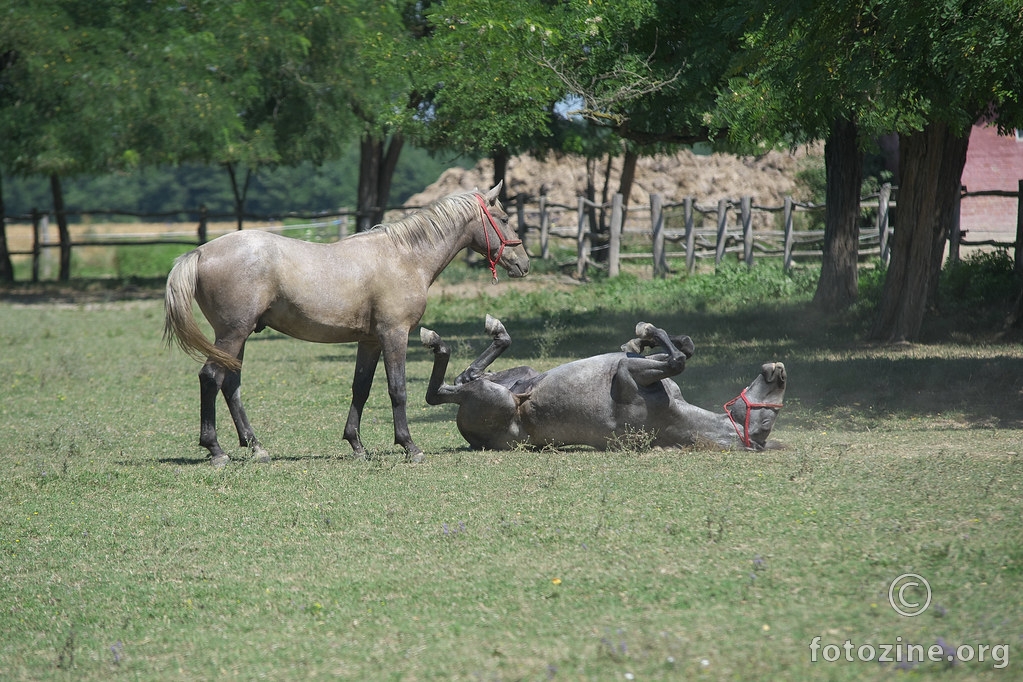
x: 656, y: 233
x: 704, y: 232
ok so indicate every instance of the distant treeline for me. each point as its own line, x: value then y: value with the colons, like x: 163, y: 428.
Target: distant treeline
x: 273, y: 190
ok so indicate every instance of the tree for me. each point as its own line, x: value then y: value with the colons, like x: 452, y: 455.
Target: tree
x: 807, y: 72
x: 856, y: 69
x: 476, y: 84
x: 58, y: 118
x: 955, y: 62
x: 379, y: 88
x: 257, y: 84
x: 634, y: 71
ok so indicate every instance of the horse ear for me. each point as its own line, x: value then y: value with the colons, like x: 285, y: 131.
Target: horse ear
x: 492, y: 195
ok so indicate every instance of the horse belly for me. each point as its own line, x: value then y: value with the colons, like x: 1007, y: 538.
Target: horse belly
x: 336, y: 325
x: 572, y: 405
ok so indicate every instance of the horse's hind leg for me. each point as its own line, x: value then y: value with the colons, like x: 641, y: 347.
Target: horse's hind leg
x: 212, y: 379
x: 501, y: 342
x: 646, y: 370
x: 232, y: 390
x: 650, y: 339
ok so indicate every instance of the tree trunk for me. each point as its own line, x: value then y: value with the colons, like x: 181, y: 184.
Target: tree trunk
x: 500, y: 159
x: 930, y: 166
x: 240, y: 193
x: 591, y: 191
x: 628, y: 177
x: 377, y: 161
x: 6, y: 268
x: 62, y: 230
x: 388, y: 162
x: 369, y: 174
x: 838, y: 285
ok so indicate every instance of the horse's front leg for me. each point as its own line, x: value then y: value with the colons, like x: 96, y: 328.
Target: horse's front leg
x: 213, y: 378
x: 395, y: 350
x: 232, y: 390
x: 501, y: 342
x: 365, y: 367
x: 437, y: 392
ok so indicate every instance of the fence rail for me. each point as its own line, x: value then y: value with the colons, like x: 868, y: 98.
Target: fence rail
x: 678, y: 230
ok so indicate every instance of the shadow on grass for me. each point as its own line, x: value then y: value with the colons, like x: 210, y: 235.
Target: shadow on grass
x: 831, y: 369
x: 973, y: 375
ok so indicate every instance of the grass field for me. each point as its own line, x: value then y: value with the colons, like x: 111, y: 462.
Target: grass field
x: 124, y: 555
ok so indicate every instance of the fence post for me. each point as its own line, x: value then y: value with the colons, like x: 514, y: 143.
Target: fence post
x: 955, y: 231
x: 36, y: 248
x: 615, y: 247
x: 787, y: 213
x: 722, y: 225
x: 582, y: 240
x: 657, y: 227
x: 746, y: 212
x: 202, y: 224
x: 687, y: 215
x: 545, y: 252
x: 520, y: 211
x: 883, y: 198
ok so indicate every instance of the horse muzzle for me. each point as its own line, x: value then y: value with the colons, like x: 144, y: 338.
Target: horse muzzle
x: 515, y: 265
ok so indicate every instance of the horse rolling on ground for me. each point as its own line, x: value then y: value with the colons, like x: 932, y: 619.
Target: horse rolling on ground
x: 596, y: 401
x: 368, y: 288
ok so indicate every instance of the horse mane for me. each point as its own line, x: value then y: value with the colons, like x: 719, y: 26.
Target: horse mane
x: 429, y: 225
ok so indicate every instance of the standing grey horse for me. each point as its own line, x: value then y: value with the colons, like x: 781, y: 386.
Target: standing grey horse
x: 596, y: 400
x: 368, y: 288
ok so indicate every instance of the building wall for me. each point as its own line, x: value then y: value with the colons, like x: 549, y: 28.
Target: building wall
x: 993, y: 161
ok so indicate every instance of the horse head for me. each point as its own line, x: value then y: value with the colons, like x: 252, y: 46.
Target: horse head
x: 497, y: 241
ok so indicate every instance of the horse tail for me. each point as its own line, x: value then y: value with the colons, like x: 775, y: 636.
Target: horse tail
x: 179, y: 324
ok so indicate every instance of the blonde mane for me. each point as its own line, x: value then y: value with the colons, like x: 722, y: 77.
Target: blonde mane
x: 428, y: 226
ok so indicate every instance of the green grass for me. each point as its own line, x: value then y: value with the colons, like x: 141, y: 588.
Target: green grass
x: 125, y: 556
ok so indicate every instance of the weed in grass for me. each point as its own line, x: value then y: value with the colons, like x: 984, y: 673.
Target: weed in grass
x: 117, y: 650
x: 632, y: 440
x: 547, y: 465
x: 549, y: 342
x: 66, y: 655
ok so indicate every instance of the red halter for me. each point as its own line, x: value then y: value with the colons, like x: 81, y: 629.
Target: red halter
x: 744, y: 434
x: 484, y: 213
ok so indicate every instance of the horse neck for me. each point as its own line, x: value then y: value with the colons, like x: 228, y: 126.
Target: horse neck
x: 432, y: 258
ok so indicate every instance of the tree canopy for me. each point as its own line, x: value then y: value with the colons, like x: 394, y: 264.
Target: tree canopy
x: 98, y: 87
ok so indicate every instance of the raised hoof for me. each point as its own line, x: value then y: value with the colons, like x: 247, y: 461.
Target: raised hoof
x: 684, y: 344
x: 494, y: 326
x: 429, y: 338
x: 645, y: 330
x: 634, y: 346
x: 219, y: 461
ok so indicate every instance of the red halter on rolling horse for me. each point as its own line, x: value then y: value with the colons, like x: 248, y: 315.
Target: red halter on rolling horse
x: 484, y: 213
x: 744, y: 434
